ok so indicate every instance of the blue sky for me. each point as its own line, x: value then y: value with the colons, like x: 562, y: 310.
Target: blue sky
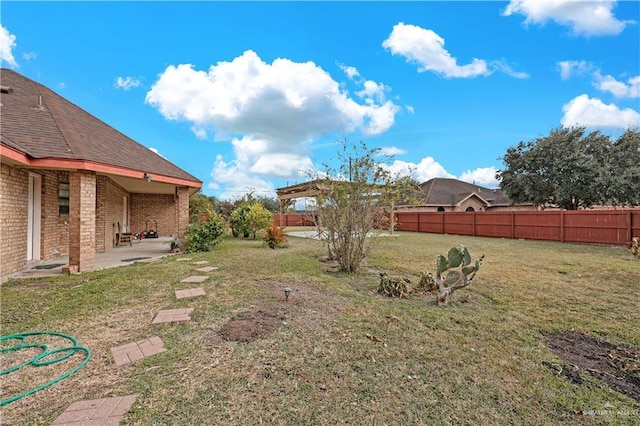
x: 251, y: 96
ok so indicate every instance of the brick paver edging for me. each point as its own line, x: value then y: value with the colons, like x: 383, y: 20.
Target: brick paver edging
x: 105, y: 411
x: 135, y: 351
x: 190, y: 292
x: 195, y: 279
x: 173, y: 315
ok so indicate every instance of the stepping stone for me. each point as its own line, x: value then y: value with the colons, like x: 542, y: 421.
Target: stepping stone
x: 105, y: 411
x: 173, y: 315
x: 195, y: 279
x: 200, y: 262
x: 183, y: 259
x: 207, y: 269
x: 132, y: 352
x: 191, y: 292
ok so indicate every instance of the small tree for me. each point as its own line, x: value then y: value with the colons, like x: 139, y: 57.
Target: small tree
x: 249, y: 218
x: 257, y: 218
x: 351, y: 204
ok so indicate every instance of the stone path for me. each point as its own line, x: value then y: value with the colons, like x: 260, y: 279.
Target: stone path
x: 195, y: 279
x: 110, y: 411
x: 173, y: 315
x: 135, y: 351
x: 191, y: 292
x: 207, y: 269
x: 105, y: 411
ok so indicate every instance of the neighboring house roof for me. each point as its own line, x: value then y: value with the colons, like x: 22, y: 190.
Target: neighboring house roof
x: 452, y: 192
x: 41, y: 124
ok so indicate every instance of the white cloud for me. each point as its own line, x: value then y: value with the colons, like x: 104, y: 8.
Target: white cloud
x: 155, y: 151
x: 7, y: 44
x: 587, y: 18
x: 426, y: 48
x: 592, y: 112
x: 570, y: 68
x: 29, y: 55
x: 390, y: 151
x: 619, y: 89
x: 271, y: 112
x: 236, y: 181
x: 426, y: 169
x: 62, y: 85
x: 410, y: 109
x: 351, y: 72
x: 482, y: 176
x: 126, y: 83
x: 505, y: 68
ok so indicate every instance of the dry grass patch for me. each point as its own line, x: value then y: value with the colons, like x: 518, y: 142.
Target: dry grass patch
x: 338, y: 352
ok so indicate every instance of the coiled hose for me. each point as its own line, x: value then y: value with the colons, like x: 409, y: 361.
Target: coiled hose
x: 44, y: 359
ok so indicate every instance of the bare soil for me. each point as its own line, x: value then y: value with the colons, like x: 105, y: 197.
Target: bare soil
x: 618, y: 367
x: 307, y: 307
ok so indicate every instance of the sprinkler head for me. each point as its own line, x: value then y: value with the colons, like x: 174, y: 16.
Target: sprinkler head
x: 287, y: 292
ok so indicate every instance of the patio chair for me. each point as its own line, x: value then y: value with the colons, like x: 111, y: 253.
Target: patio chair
x: 124, y: 235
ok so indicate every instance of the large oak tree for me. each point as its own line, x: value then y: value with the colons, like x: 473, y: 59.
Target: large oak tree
x: 572, y: 169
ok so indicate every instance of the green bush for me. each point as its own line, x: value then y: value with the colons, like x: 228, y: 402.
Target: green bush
x: 204, y: 236
x: 249, y: 218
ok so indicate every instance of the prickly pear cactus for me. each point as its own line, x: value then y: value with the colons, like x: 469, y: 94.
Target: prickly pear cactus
x: 454, y: 272
x: 394, y: 286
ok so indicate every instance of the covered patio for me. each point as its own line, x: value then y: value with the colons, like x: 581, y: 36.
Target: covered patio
x: 145, y: 250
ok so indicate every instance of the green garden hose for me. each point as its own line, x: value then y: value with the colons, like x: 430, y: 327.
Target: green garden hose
x: 44, y: 359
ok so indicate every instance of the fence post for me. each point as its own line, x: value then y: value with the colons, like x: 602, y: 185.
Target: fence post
x: 562, y: 226
x: 473, y: 224
x: 513, y: 225
x: 442, y: 223
x: 629, y: 227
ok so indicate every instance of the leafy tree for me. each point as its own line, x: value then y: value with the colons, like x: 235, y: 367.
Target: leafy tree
x: 257, y: 218
x: 269, y: 203
x: 199, y: 204
x: 564, y: 168
x: 351, y: 204
x: 622, y: 181
x: 249, y: 218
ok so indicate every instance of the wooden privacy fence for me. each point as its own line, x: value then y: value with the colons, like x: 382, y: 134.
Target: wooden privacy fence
x: 611, y: 227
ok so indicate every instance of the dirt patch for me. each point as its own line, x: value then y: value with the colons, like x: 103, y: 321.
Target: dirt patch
x: 249, y: 325
x: 307, y: 307
x: 618, y: 367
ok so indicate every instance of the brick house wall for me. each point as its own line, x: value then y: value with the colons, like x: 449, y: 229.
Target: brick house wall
x: 111, y: 205
x: 14, y: 190
x: 55, y: 226
x: 160, y: 207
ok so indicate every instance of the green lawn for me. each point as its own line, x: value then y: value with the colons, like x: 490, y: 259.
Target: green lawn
x: 342, y: 354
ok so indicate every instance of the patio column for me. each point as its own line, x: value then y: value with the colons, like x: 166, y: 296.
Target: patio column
x: 82, y: 221
x: 182, y: 204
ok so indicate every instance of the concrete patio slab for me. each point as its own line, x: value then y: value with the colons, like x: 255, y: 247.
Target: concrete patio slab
x: 105, y: 411
x: 195, y: 279
x: 201, y: 262
x: 147, y: 250
x: 207, y: 269
x: 135, y: 351
x: 191, y: 292
x: 173, y: 315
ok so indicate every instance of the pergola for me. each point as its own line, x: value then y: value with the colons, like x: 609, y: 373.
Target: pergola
x: 309, y: 189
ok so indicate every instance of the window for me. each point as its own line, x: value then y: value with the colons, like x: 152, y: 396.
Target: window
x: 470, y: 209
x: 440, y: 209
x: 63, y: 198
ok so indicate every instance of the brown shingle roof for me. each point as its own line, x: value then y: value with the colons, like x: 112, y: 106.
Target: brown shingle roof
x: 449, y: 192
x: 42, y: 124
